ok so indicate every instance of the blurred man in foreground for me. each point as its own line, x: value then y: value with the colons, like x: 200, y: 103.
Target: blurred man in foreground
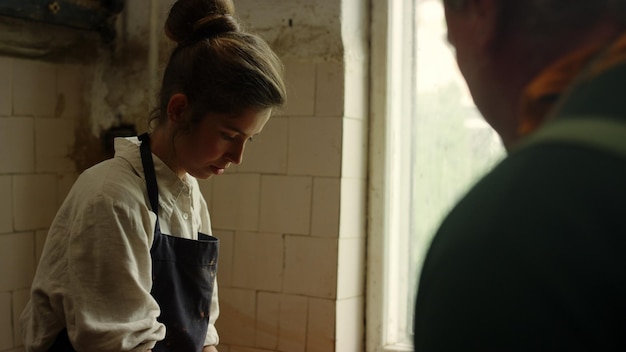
x: 533, y: 258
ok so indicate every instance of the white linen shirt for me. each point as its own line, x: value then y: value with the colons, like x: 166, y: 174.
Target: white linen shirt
x: 95, y: 273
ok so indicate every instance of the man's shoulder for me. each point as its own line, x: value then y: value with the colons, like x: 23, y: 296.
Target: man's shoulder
x: 551, y: 184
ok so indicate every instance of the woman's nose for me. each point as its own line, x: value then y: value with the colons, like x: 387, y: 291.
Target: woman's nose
x: 235, y: 154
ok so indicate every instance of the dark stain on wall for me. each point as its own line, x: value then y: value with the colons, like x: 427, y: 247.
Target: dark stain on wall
x: 88, y: 149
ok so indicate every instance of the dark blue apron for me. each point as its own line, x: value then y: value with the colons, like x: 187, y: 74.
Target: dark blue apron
x: 183, y: 275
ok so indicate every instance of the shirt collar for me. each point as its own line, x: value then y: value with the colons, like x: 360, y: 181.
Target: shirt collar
x: 169, y: 185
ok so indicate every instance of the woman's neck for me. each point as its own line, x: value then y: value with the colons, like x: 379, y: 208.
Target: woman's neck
x: 162, y: 145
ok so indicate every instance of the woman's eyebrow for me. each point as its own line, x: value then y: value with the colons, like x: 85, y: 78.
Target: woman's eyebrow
x: 232, y: 128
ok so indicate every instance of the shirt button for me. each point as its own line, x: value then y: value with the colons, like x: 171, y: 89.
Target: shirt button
x: 185, y: 216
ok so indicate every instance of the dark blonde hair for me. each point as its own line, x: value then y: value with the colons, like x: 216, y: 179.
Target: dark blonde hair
x: 219, y: 67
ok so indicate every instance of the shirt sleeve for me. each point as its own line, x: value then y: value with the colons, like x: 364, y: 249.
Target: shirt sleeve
x: 108, y: 306
x: 212, y: 338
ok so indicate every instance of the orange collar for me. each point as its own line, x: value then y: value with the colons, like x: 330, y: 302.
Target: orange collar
x: 543, y: 92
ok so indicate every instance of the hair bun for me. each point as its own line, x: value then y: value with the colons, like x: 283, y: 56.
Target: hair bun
x: 193, y: 20
x: 213, y: 25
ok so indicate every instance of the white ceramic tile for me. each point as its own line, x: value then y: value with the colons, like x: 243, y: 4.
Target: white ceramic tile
x: 311, y: 266
x: 292, y: 330
x: 268, y: 319
x: 136, y: 22
x: 20, y: 298
x: 354, y: 161
x: 40, y: 241
x: 349, y: 322
x: 267, y: 152
x: 235, y: 202
x: 353, y: 208
x: 34, y: 201
x: 329, y: 92
x: 355, y: 27
x: 34, y: 88
x: 321, y: 325
x: 326, y: 201
x: 258, y: 262
x: 233, y: 169
x: 71, y: 87
x: 226, y: 257
x: 54, y: 141
x: 237, y: 321
x: 6, y: 86
x: 300, y: 81
x: 351, y: 268
x: 17, y: 261
x: 224, y: 348
x: 356, y: 85
x: 17, y: 145
x: 315, y: 146
x: 6, y: 204
x: 244, y: 349
x: 6, y: 323
x: 285, y: 204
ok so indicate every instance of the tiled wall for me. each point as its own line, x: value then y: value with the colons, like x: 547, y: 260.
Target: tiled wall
x: 291, y: 225
x: 291, y: 218
x: 40, y: 103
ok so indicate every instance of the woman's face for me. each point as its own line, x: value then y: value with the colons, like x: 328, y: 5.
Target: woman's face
x: 217, y: 141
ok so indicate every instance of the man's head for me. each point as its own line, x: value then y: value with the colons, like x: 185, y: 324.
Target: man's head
x: 501, y: 45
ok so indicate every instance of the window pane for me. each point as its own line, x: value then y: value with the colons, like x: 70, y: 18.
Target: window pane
x: 431, y: 146
x: 452, y: 145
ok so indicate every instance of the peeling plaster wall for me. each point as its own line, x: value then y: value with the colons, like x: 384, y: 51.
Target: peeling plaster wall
x: 122, y: 82
x: 125, y: 77
x: 118, y: 78
x: 296, y: 29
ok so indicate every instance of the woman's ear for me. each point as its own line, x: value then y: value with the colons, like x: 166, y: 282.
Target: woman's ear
x: 176, y: 107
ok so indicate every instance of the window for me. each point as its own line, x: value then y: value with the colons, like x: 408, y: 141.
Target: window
x: 429, y: 144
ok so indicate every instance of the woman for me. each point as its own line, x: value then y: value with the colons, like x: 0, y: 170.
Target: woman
x: 110, y: 277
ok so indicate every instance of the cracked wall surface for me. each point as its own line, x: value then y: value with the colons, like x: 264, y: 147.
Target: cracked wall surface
x: 299, y: 29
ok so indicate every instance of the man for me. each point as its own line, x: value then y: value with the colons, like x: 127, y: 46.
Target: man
x: 534, y: 257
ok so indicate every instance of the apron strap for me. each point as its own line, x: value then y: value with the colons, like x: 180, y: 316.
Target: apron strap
x: 62, y: 343
x: 148, y: 171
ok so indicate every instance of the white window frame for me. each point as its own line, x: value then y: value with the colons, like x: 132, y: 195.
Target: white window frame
x: 387, y: 321
x: 398, y: 235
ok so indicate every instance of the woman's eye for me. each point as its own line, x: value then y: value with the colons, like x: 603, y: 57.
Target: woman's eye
x: 228, y: 137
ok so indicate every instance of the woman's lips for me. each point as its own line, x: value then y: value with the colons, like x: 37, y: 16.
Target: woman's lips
x: 217, y: 170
